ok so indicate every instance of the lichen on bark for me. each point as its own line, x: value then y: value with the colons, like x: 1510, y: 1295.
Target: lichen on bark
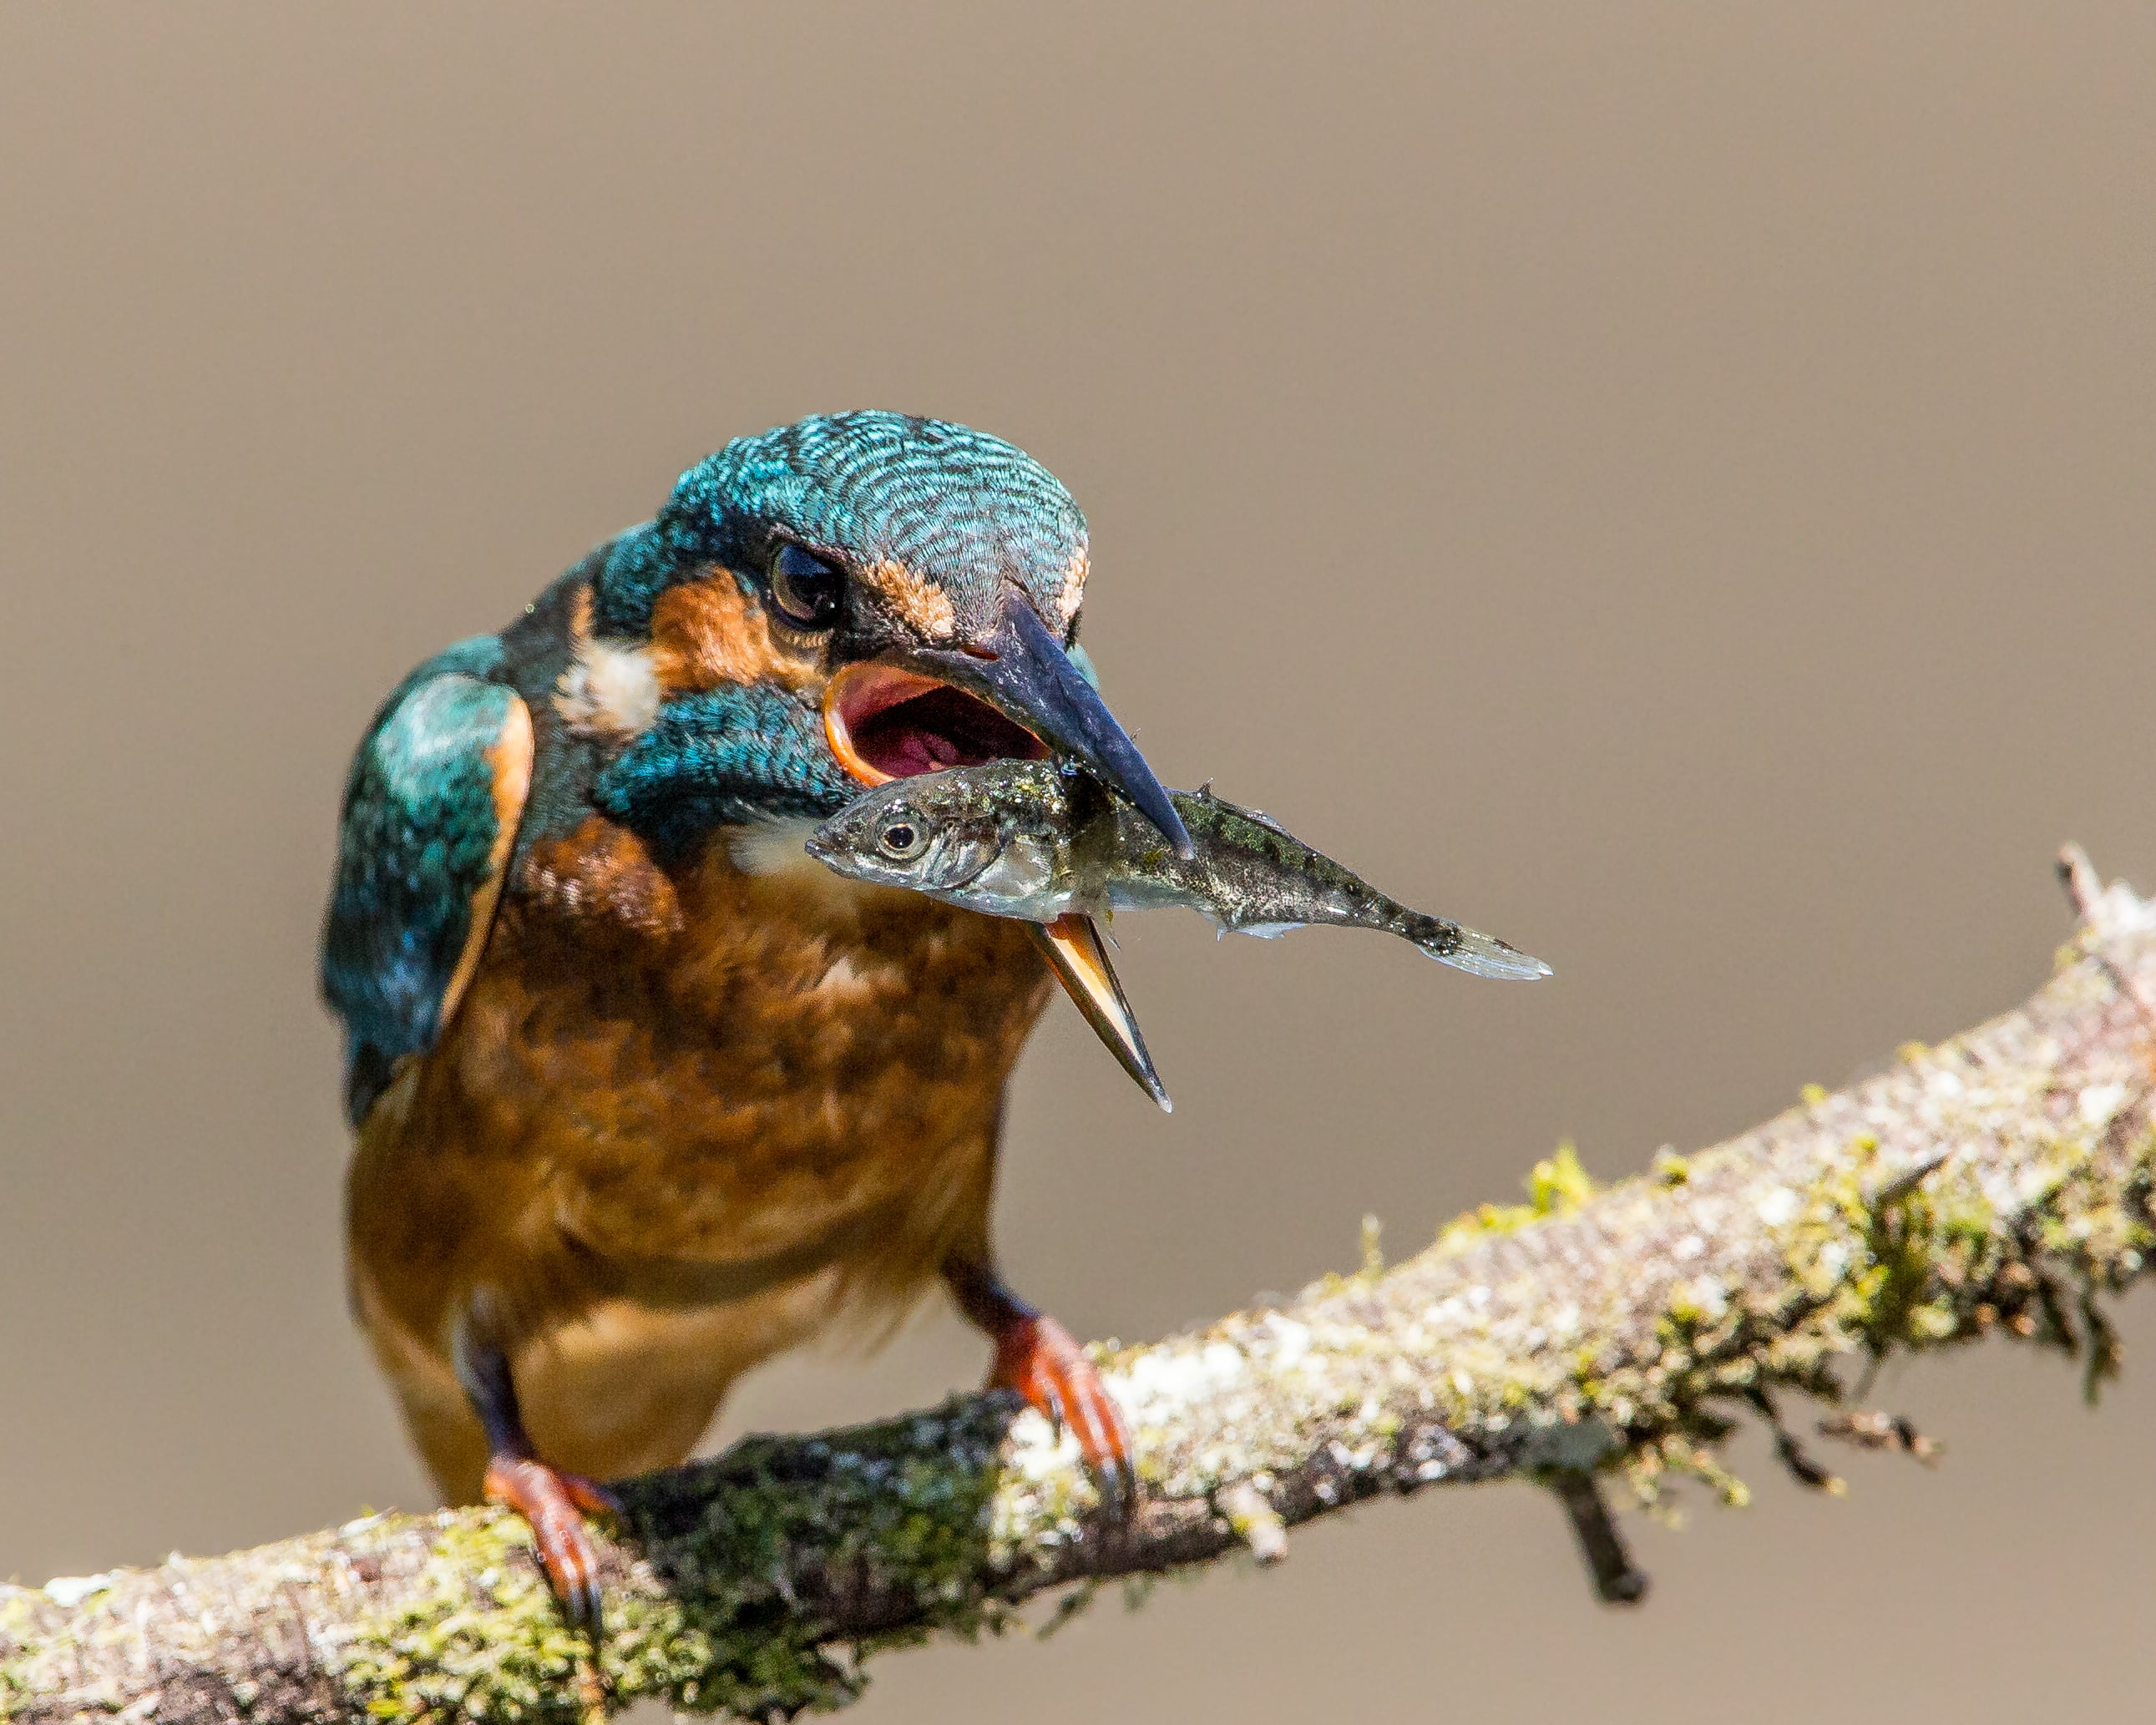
x: 1999, y: 1183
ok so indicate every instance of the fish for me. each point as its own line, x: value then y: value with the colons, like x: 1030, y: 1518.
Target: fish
x: 1038, y: 840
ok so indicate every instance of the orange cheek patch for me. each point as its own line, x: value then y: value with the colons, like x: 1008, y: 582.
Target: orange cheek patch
x: 707, y: 633
x: 603, y: 870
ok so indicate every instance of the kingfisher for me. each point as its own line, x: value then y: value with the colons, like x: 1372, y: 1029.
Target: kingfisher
x: 641, y: 1095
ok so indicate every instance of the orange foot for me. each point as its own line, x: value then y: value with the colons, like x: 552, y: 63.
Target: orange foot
x: 556, y: 1503
x: 1036, y: 1357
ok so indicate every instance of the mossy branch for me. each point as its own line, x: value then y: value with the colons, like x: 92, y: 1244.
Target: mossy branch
x: 2001, y: 1181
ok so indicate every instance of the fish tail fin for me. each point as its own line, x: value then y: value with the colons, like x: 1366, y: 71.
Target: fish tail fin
x: 1470, y: 949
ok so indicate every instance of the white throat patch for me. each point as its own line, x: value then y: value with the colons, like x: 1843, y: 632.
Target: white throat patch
x: 772, y: 848
x: 611, y: 690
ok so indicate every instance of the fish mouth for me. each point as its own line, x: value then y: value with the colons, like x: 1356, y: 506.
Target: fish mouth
x: 885, y: 723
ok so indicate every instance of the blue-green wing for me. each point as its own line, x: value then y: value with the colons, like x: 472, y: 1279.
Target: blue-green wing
x: 430, y: 815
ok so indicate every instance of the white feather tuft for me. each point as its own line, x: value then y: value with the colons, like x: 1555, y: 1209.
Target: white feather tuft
x: 611, y: 691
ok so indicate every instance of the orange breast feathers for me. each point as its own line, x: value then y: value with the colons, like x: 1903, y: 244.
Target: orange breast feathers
x: 689, y: 1087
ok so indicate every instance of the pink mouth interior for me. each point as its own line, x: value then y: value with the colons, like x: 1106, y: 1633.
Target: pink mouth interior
x: 941, y: 727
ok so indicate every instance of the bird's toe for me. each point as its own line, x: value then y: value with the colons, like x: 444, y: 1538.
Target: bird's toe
x: 555, y: 1504
x: 1039, y: 1359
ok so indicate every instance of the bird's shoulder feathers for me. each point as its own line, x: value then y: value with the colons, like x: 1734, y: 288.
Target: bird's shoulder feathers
x: 431, y: 809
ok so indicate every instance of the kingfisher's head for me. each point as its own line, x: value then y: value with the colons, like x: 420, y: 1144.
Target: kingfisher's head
x: 837, y: 602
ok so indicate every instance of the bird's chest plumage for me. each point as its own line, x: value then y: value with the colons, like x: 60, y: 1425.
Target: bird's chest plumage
x: 705, y: 1080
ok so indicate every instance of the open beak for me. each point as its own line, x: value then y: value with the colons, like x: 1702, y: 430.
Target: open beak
x: 1023, y: 671
x: 1079, y: 956
x: 1013, y: 694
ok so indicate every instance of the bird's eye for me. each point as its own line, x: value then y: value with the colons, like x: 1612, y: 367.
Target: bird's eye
x: 902, y: 840
x: 807, y: 590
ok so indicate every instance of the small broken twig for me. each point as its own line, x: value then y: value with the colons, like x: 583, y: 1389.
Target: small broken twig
x: 1618, y: 1581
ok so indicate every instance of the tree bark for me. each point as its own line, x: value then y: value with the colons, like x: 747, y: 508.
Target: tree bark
x: 1999, y: 1182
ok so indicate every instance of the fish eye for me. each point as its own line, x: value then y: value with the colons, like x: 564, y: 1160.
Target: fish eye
x: 807, y: 590
x: 901, y: 840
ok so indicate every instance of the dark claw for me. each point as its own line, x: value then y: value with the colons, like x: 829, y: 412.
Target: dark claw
x: 567, y: 1557
x: 570, y: 1576
x: 1118, y: 1487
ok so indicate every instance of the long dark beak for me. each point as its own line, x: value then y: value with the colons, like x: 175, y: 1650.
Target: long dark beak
x: 1022, y: 670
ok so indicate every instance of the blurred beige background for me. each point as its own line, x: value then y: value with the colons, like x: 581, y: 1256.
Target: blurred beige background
x: 1668, y: 483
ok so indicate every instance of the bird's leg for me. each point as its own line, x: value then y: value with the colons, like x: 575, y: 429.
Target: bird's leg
x: 1036, y: 1357
x: 554, y: 1502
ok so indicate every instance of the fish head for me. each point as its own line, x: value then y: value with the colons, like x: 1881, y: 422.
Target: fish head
x: 935, y: 833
